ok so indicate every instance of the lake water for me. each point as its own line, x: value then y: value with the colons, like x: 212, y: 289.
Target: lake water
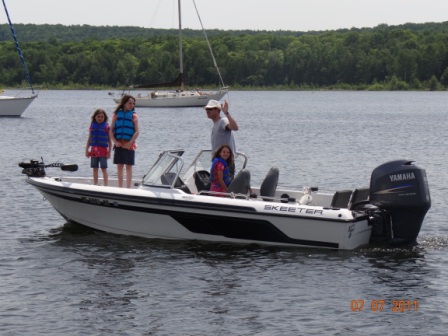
x: 62, y: 279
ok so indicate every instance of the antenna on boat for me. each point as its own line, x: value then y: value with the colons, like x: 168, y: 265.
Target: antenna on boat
x: 209, y: 46
x: 28, y: 78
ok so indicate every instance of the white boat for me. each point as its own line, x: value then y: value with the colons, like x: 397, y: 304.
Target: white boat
x: 177, y: 97
x: 169, y: 203
x: 14, y: 106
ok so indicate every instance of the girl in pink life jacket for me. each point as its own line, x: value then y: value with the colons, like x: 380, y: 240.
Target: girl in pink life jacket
x: 219, y: 172
x: 100, y: 145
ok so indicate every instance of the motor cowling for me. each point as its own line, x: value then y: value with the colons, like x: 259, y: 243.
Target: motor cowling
x: 401, y: 188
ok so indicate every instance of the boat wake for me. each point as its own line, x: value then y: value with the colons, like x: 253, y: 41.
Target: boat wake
x: 425, y: 244
x: 434, y: 243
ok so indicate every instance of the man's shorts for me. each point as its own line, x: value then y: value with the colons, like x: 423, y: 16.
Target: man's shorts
x: 124, y: 156
x: 98, y: 162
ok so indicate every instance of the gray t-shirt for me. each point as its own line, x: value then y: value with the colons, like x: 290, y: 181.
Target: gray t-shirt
x: 221, y: 136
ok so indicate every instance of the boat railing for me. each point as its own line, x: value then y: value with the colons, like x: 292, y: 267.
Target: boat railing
x: 224, y: 194
x: 282, y: 199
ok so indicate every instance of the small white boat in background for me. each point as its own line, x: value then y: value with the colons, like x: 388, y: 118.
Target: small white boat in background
x: 170, y: 203
x: 14, y: 106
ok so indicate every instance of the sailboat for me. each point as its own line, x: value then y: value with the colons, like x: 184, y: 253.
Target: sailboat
x: 15, y: 105
x: 178, y: 97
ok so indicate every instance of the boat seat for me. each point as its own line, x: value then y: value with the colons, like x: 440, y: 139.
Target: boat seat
x: 202, y: 180
x: 269, y: 184
x: 359, y: 196
x: 241, y: 183
x: 168, y: 178
x: 341, y: 199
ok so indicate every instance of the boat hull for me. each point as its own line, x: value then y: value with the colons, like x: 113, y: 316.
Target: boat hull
x: 180, y: 216
x: 14, y: 106
x: 176, y: 99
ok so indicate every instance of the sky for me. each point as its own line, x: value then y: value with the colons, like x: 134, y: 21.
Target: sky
x: 296, y: 15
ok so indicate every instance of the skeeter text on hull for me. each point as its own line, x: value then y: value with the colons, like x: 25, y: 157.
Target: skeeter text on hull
x: 171, y: 202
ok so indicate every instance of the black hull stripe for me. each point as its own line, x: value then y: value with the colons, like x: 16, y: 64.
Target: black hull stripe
x: 239, y: 228
x: 114, y: 197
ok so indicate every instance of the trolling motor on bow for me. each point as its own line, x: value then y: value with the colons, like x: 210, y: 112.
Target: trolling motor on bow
x: 400, y: 191
x: 34, y: 168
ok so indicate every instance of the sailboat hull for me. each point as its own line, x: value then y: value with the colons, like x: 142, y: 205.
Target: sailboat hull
x: 175, y: 99
x: 14, y: 106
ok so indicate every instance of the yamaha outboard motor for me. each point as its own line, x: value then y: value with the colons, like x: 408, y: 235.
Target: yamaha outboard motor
x: 401, y: 189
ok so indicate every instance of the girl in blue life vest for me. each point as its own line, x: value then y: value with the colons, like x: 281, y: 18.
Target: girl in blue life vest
x: 100, y: 145
x: 219, y: 173
x: 124, y: 131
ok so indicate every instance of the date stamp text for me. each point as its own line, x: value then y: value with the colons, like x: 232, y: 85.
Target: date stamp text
x: 394, y: 306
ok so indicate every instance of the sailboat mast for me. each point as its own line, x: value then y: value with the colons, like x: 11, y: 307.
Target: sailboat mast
x: 181, y: 56
x: 28, y: 78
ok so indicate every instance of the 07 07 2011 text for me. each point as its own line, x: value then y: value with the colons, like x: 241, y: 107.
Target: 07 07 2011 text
x: 395, y: 306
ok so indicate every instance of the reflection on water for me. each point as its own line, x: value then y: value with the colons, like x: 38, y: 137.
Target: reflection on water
x: 74, y: 234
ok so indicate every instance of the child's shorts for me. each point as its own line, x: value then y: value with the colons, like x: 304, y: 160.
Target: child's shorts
x: 98, y: 162
x: 124, y: 156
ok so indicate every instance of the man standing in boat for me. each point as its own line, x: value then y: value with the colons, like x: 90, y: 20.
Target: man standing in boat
x: 223, y: 127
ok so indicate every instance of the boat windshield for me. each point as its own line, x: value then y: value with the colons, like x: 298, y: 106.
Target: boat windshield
x: 166, y: 169
x: 203, y: 161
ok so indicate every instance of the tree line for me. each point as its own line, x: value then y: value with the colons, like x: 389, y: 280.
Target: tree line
x: 411, y: 56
